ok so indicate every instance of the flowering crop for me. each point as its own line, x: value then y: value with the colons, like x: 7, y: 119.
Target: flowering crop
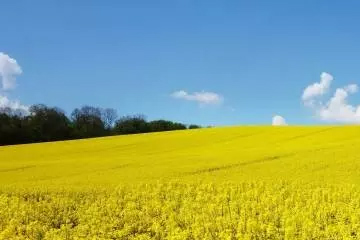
x: 248, y: 210
x: 221, y: 183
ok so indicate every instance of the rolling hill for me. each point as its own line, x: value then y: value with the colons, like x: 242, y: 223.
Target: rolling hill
x: 328, y: 154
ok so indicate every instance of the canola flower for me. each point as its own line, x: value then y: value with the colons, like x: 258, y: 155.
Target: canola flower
x: 221, y: 183
x: 248, y: 210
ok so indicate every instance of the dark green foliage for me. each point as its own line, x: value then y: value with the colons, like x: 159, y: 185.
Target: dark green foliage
x: 193, y: 126
x: 13, y: 129
x: 48, y: 124
x: 42, y: 124
x: 138, y: 124
x: 131, y: 125
x: 163, y: 125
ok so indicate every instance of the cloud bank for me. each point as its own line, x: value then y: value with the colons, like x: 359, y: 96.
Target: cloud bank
x: 278, y: 121
x: 336, y: 109
x: 203, y: 98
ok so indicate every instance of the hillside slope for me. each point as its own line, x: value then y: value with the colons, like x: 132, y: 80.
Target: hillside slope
x: 324, y: 153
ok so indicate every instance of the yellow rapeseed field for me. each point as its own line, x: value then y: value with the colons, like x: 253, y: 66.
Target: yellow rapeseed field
x: 219, y: 183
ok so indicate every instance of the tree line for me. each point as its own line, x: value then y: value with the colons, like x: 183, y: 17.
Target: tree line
x: 44, y: 124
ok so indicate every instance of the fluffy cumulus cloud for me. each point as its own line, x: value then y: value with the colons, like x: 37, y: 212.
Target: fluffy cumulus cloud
x: 203, y: 98
x: 9, y: 69
x: 278, y: 121
x: 317, y: 89
x: 335, y: 109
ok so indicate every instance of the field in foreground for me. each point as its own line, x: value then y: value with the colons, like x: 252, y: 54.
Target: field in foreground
x: 220, y: 183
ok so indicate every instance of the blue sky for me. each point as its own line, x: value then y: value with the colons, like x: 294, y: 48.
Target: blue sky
x: 258, y: 56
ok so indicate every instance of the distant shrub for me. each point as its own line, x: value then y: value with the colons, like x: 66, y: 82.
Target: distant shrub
x: 193, y: 126
x: 163, y: 125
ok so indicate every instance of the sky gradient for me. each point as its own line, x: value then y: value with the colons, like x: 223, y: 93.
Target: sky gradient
x: 159, y: 58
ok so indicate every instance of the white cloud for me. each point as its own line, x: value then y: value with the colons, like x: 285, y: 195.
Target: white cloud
x: 9, y: 69
x: 317, y: 89
x: 337, y: 108
x: 14, y: 105
x: 203, y: 98
x: 352, y: 88
x: 278, y: 120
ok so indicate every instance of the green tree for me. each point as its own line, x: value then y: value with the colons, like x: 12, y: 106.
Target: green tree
x: 87, y: 122
x: 131, y: 125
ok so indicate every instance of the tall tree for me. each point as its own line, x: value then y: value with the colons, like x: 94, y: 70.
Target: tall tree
x: 87, y: 122
x: 108, y: 116
x: 48, y: 123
